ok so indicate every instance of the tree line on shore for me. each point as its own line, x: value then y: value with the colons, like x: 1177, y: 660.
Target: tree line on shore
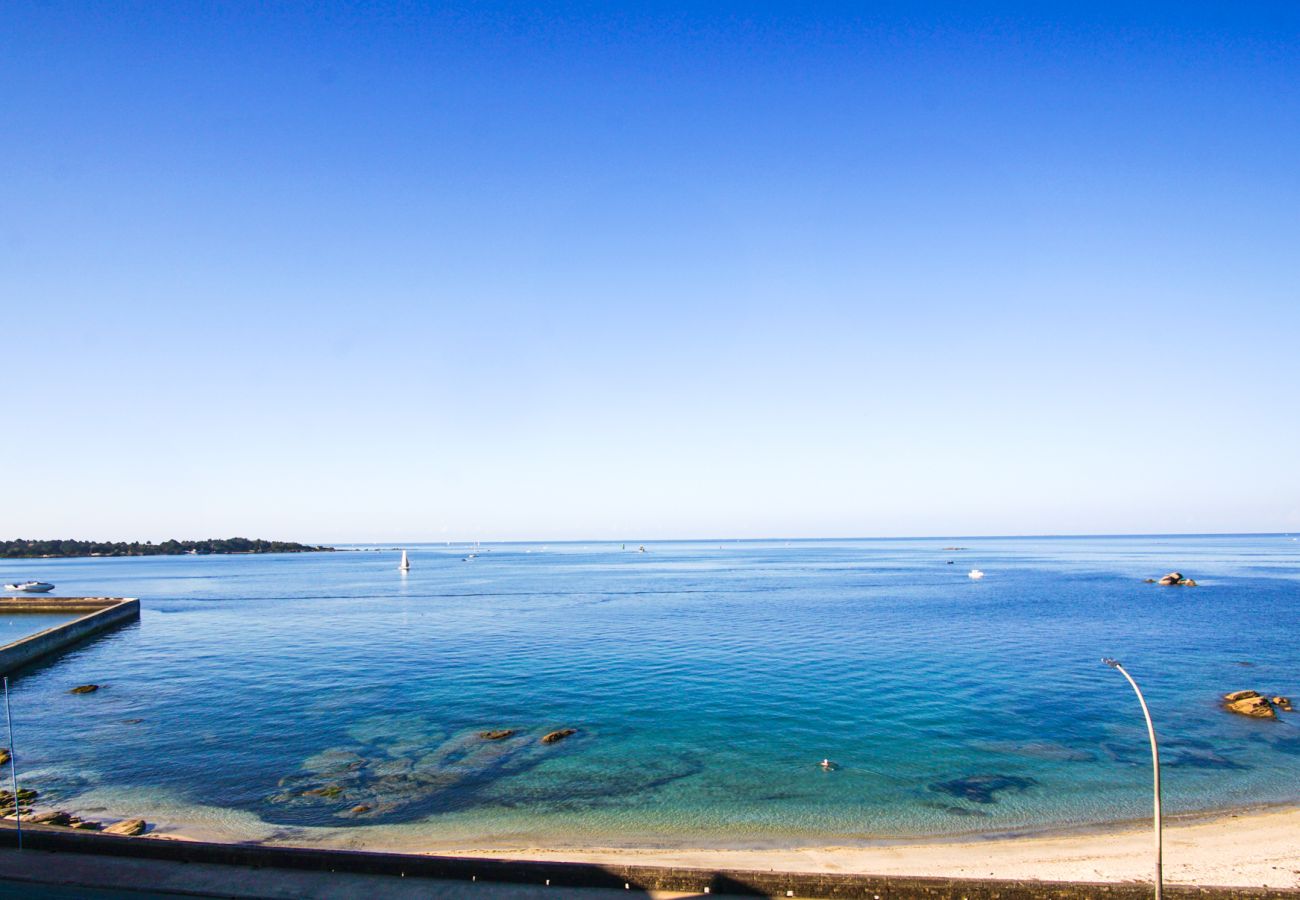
x: 27, y: 549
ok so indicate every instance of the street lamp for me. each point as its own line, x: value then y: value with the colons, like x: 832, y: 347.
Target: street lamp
x: 1155, y: 767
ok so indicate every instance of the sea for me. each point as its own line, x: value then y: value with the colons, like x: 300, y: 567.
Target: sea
x: 704, y: 683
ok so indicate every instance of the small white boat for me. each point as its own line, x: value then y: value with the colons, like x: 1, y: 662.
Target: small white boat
x: 31, y: 587
x: 975, y: 573
x: 405, y: 564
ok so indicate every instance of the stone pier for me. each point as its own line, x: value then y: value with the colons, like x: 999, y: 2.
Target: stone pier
x: 97, y: 614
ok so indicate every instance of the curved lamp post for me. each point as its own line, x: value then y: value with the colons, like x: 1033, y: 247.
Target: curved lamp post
x: 1155, y: 766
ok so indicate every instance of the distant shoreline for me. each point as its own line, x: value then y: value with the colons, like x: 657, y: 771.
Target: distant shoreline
x: 76, y: 549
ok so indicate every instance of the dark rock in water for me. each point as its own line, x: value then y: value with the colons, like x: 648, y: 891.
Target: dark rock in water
x: 1149, y: 581
x: 499, y: 734
x: 127, y: 827
x: 983, y: 788
x: 1245, y: 664
x: 1175, y: 578
x: 132, y: 721
x: 330, y: 791
x: 1283, y: 703
x: 83, y: 825
x: 359, y: 809
x: 556, y: 736
x: 84, y: 689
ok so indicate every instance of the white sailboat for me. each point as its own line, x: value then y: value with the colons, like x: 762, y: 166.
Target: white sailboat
x: 405, y: 564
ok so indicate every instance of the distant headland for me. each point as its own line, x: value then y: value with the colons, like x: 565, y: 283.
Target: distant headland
x: 24, y: 549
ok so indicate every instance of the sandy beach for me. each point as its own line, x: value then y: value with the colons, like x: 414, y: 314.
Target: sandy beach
x: 1246, y: 848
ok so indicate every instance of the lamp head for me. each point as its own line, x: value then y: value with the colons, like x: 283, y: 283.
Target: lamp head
x: 1113, y: 663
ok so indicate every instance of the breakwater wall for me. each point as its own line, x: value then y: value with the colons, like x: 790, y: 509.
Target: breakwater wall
x: 635, y: 879
x: 98, y: 614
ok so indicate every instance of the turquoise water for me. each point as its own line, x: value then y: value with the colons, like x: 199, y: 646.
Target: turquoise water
x: 705, y: 681
x: 15, y: 626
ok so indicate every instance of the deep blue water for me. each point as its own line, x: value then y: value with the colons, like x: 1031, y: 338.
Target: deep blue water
x: 705, y: 681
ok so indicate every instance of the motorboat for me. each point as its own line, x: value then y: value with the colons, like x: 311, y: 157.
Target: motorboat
x: 31, y: 587
x: 975, y: 574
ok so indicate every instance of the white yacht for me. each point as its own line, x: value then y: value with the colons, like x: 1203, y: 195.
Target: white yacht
x: 975, y: 573
x: 31, y: 587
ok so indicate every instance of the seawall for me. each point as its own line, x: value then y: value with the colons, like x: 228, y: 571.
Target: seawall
x: 99, y: 614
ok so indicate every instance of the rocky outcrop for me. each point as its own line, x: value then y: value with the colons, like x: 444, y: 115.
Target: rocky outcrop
x: 1175, y: 578
x: 54, y: 817
x: 127, y: 827
x: 555, y: 737
x: 1283, y: 703
x: 84, y: 689
x: 1249, y: 703
x: 499, y: 734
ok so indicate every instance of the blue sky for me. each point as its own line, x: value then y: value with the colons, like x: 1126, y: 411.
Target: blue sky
x: 494, y: 271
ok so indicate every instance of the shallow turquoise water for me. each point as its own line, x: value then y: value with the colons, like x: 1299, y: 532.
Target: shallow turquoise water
x: 706, y: 681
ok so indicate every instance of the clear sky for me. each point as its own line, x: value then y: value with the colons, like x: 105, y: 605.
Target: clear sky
x: 493, y: 271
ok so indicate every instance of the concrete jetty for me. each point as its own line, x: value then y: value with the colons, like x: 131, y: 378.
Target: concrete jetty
x: 97, y: 614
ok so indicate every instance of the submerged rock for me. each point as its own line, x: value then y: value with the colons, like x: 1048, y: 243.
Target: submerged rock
x: 958, y: 810
x: 84, y: 689
x: 1038, y: 750
x: 983, y: 788
x: 1249, y: 703
x: 499, y: 734
x: 556, y: 736
x: 1283, y: 703
x: 1176, y: 578
x: 127, y: 827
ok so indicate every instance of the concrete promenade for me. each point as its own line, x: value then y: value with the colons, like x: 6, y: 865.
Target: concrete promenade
x: 98, y: 614
x: 46, y: 874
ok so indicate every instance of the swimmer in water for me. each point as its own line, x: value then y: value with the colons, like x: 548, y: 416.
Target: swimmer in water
x: 827, y: 765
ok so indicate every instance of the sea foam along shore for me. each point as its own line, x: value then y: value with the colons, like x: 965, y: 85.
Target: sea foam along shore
x: 1241, y: 848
